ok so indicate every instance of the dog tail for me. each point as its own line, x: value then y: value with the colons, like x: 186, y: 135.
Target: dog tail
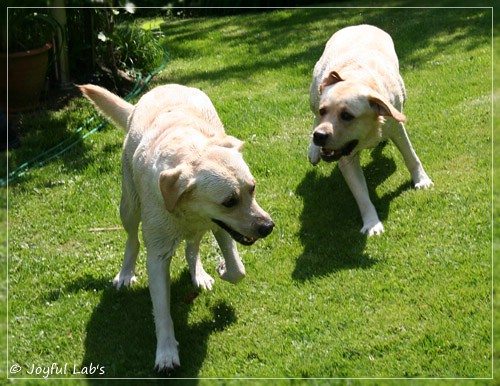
x: 111, y: 105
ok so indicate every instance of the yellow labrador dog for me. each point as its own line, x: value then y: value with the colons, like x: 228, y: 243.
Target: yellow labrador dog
x: 357, y: 97
x: 182, y: 176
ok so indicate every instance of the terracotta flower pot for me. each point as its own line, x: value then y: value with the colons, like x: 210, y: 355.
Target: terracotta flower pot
x: 26, y: 77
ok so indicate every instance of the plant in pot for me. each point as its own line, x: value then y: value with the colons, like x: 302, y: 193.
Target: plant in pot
x: 25, y: 50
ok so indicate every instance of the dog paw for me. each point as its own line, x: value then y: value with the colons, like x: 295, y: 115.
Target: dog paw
x: 373, y: 229
x: 232, y: 276
x: 314, y: 154
x: 124, y: 279
x: 167, y: 358
x: 424, y: 183
x: 203, y: 280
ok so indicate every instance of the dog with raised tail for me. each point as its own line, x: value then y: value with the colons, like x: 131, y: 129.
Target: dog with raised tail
x: 357, y: 97
x: 182, y: 176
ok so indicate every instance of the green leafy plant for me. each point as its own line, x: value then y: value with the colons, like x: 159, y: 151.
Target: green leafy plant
x: 137, y: 49
x: 124, y: 49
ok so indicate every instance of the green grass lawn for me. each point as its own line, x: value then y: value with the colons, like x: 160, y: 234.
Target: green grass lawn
x: 320, y: 299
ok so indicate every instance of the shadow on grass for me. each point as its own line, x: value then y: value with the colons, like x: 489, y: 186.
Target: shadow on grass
x: 330, y: 220
x: 46, y: 136
x: 121, y: 332
x: 283, y: 40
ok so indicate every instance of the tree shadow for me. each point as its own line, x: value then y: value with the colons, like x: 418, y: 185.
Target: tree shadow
x: 330, y: 219
x: 267, y: 38
x: 120, y: 334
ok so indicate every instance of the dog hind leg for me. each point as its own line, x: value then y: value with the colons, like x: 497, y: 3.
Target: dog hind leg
x: 130, y: 214
x: 418, y: 174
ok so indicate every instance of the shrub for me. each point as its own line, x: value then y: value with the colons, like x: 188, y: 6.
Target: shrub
x: 137, y: 50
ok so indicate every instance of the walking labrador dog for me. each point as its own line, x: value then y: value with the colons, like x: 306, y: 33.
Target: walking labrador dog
x: 182, y: 176
x: 357, y: 96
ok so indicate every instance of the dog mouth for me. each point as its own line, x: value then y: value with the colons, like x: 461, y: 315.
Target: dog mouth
x: 330, y: 155
x: 237, y: 236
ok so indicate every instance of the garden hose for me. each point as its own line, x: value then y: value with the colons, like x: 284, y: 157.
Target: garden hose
x: 66, y: 145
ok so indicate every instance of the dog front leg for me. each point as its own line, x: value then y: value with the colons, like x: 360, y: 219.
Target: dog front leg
x: 167, y: 356
x: 353, y: 174
x: 198, y: 275
x: 420, y: 178
x: 314, y: 153
x: 232, y: 268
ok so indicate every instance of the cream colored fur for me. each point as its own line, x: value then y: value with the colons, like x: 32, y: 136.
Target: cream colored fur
x: 182, y: 176
x: 357, y: 97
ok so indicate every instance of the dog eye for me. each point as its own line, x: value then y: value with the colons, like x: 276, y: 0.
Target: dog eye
x: 345, y: 116
x: 322, y: 111
x: 231, y: 201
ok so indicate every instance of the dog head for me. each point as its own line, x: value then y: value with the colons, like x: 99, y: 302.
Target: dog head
x: 220, y: 189
x: 351, y: 116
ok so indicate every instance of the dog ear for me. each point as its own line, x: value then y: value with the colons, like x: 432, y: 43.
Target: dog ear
x: 383, y: 107
x: 231, y: 142
x: 173, y: 184
x: 332, y: 78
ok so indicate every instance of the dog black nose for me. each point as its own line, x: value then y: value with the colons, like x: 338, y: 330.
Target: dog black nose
x: 320, y: 138
x: 265, y: 229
